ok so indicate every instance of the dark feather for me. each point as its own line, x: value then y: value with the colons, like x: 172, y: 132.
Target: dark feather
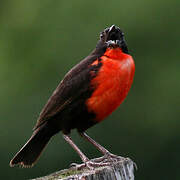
x: 66, y: 108
x: 73, y: 87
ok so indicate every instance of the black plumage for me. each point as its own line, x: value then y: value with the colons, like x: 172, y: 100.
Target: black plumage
x: 66, y: 109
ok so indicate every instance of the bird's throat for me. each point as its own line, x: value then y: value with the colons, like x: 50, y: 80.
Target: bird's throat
x: 115, y: 53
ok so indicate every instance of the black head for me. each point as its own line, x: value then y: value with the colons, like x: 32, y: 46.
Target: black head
x: 113, y: 37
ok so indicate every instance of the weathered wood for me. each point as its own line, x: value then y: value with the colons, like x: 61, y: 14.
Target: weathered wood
x: 123, y: 169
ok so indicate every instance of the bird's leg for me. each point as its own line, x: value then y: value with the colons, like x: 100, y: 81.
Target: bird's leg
x: 74, y: 146
x: 107, y: 154
x: 87, y: 163
x: 97, y: 145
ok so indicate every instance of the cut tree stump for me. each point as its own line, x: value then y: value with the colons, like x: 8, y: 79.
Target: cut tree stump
x: 122, y: 169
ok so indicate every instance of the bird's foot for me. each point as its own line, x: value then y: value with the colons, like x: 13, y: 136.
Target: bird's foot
x: 108, y: 157
x: 91, y: 165
x: 105, y: 160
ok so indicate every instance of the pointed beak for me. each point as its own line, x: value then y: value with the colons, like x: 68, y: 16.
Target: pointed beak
x: 112, y: 28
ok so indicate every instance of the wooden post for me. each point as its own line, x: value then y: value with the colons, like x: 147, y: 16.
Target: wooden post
x: 120, y: 170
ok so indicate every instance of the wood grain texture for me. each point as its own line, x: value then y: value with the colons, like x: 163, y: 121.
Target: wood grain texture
x: 120, y: 170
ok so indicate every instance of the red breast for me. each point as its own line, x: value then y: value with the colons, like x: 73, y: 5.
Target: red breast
x: 112, y: 83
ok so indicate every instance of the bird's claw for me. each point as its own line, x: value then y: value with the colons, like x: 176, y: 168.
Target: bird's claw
x: 73, y: 165
x: 91, y: 165
x: 107, y: 158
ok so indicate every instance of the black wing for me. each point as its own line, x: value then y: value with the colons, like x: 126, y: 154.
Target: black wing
x: 75, y: 83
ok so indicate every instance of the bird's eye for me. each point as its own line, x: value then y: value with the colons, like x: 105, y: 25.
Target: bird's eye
x: 101, y: 35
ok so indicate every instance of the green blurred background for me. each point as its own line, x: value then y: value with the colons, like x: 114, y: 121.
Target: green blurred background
x: 41, y: 40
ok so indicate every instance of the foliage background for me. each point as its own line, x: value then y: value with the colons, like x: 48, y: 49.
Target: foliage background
x: 41, y: 40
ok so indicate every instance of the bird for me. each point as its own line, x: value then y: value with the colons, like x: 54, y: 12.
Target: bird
x: 87, y: 94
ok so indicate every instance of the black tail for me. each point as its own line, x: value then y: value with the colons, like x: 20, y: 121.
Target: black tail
x: 30, y: 152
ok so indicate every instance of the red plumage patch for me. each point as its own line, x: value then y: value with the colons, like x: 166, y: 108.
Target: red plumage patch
x: 112, y: 83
